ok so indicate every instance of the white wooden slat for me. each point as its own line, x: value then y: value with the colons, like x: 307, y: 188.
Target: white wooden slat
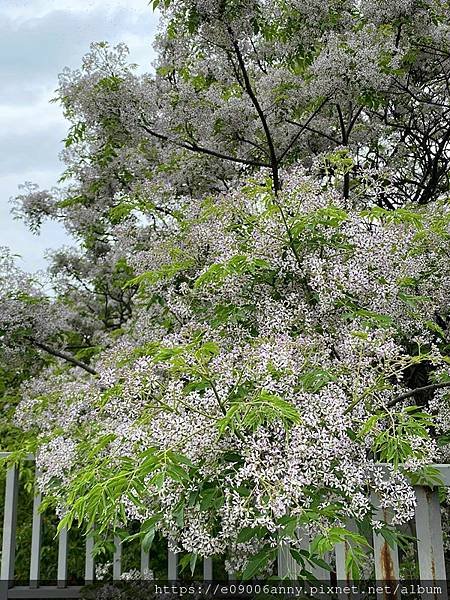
x: 430, y: 545
x: 341, y: 551
x: 341, y: 555
x: 207, y: 569
x: 172, y: 566
x: 287, y: 566
x: 387, y: 566
x: 303, y: 537
x: 9, y: 525
x: 343, y: 578
x: 117, y: 559
x: 89, y: 567
x: 145, y: 562
x: 323, y: 575
x: 36, y: 535
x: 62, y: 558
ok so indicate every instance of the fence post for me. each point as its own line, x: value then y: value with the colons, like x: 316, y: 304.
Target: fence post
x: 287, y: 565
x: 145, y: 562
x: 341, y: 551
x: 207, y: 569
x: 9, y: 525
x: 62, y: 558
x: 288, y: 568
x: 89, y: 570
x: 172, y: 566
x: 430, y: 545
x: 36, y: 533
x: 386, y: 558
x: 323, y: 575
x: 117, y: 559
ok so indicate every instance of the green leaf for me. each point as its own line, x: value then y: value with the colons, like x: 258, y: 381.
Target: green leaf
x: 246, y: 534
x: 298, y: 556
x: 178, y: 513
x: 255, y: 411
x: 257, y: 564
x: 317, y: 560
x: 168, y: 271
x: 413, y: 300
x: 237, y: 265
x: 390, y: 536
x: 316, y: 379
x: 427, y: 476
x: 177, y: 473
x: 289, y: 526
x: 147, y: 540
x: 369, y: 425
x: 193, y: 562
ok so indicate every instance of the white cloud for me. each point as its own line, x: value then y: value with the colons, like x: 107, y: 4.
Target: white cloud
x: 34, y: 50
x: 25, y: 9
x: 22, y: 119
x: 38, y: 38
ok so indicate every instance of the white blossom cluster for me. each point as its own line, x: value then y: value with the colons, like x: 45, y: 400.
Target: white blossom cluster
x: 326, y: 323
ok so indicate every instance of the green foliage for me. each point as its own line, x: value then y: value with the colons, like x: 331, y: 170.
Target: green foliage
x: 339, y: 162
x: 315, y: 379
x: 427, y: 476
x: 257, y: 410
x: 321, y: 228
x: 393, y: 443
x: 94, y: 496
x: 238, y: 265
x: 165, y: 272
x: 155, y: 3
x: 368, y: 318
x: 259, y: 562
x: 400, y: 215
x: 76, y: 134
x: 355, y: 545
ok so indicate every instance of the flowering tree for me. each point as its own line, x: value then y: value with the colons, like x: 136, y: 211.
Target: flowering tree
x: 257, y: 313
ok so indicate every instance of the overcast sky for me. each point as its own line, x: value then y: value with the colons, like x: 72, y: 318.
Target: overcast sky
x: 38, y: 38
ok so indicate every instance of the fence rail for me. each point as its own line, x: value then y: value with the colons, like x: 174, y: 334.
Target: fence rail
x: 430, y: 549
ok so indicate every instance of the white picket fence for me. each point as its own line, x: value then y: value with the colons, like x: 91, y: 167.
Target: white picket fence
x: 430, y: 550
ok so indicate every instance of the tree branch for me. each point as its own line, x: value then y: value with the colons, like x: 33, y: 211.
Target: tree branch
x: 64, y: 355
x: 316, y: 131
x: 194, y: 147
x: 425, y: 388
x: 303, y: 127
x: 344, y: 133
x: 262, y: 117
